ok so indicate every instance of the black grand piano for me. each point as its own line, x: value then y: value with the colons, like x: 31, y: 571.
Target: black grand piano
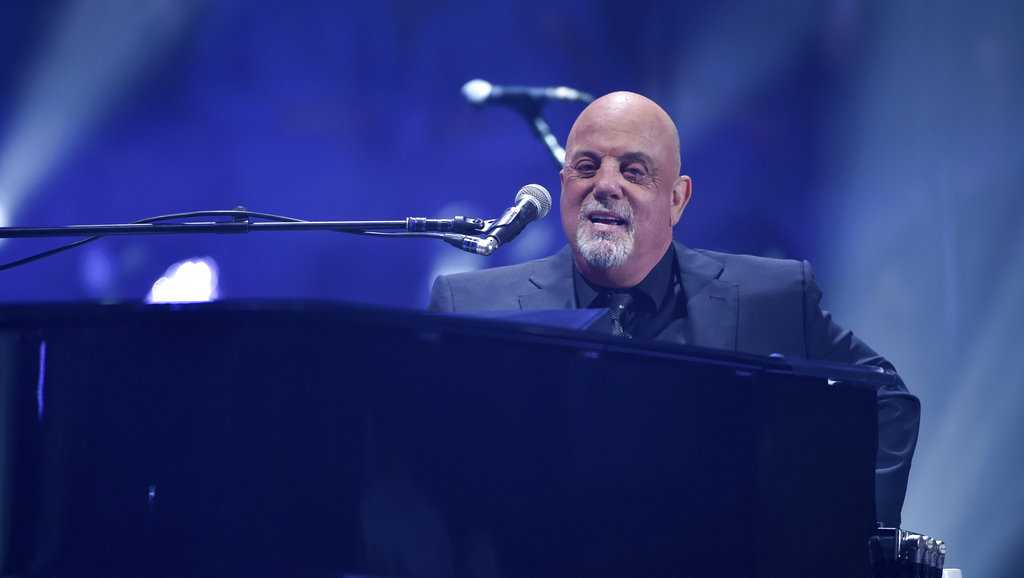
x: 322, y: 440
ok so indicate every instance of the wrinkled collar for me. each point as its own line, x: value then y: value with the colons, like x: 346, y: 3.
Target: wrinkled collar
x: 650, y: 292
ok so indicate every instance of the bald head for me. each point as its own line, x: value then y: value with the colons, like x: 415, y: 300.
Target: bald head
x: 632, y: 112
x: 622, y: 193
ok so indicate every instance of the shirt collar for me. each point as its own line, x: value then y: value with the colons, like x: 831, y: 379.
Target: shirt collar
x: 652, y: 288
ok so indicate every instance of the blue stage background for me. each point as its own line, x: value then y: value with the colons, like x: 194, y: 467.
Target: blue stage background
x: 878, y: 140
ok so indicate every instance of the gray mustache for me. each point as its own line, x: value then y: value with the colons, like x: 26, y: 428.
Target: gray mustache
x: 621, y: 211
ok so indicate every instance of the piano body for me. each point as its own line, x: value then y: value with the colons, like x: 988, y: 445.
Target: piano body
x: 326, y: 440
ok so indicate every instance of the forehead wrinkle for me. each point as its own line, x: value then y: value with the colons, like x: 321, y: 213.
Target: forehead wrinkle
x: 626, y: 155
x: 614, y: 141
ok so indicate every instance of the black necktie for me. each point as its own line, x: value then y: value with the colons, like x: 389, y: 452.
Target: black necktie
x: 618, y: 310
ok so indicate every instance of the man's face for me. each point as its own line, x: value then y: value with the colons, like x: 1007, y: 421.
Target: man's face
x: 617, y: 191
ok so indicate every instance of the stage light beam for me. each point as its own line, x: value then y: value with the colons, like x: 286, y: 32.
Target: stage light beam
x: 94, y: 51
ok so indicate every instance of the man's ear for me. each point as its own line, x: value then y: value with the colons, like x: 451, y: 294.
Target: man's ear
x: 681, y: 192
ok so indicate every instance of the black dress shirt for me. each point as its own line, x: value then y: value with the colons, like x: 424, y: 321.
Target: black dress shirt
x: 657, y: 299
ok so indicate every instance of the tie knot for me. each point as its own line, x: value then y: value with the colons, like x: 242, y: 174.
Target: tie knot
x: 619, y: 300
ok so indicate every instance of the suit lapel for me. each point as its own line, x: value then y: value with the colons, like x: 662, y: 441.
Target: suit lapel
x: 712, y: 305
x: 551, y: 284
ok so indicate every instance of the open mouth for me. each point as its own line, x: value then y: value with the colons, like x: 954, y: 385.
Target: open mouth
x: 607, y: 219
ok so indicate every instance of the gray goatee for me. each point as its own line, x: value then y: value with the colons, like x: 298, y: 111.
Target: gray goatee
x: 605, y: 249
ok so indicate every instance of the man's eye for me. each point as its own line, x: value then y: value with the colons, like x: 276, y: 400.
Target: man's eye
x: 586, y: 167
x: 635, y: 173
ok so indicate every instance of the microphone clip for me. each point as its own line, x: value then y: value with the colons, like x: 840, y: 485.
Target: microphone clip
x: 459, y: 224
x: 477, y: 245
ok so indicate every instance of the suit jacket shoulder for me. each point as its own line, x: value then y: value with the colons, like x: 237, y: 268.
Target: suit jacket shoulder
x: 743, y: 302
x: 766, y: 272
x: 539, y: 284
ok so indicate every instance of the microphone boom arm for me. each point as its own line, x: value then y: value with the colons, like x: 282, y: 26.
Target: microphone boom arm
x: 543, y: 132
x: 241, y: 221
x: 411, y: 224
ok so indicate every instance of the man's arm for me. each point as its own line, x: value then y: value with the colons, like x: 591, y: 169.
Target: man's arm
x: 899, y: 411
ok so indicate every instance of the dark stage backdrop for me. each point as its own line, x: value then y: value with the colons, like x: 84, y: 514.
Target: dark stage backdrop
x: 878, y: 140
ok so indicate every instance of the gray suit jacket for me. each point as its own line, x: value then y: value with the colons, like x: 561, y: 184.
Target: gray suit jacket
x: 733, y: 302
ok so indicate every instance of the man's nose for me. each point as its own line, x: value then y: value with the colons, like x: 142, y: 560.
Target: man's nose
x: 607, y: 185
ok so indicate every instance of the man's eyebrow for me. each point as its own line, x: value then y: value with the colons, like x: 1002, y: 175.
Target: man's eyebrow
x: 636, y: 156
x: 625, y: 158
x: 585, y: 153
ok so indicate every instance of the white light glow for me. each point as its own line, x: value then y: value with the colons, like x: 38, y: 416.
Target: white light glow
x: 190, y: 281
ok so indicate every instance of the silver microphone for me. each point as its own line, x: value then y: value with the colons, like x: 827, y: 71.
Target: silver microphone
x: 481, y: 92
x: 532, y: 202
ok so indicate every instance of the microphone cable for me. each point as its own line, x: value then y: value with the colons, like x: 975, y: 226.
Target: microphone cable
x: 239, y: 214
x: 159, y: 218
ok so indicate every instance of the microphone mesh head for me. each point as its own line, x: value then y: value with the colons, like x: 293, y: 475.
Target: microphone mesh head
x: 477, y: 91
x: 538, y: 195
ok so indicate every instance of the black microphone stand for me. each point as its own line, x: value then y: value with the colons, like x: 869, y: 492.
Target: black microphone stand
x: 411, y: 225
x: 462, y: 232
x: 543, y: 131
x: 531, y: 111
x: 528, y: 101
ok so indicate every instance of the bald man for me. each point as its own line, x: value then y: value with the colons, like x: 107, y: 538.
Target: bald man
x: 622, y: 194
